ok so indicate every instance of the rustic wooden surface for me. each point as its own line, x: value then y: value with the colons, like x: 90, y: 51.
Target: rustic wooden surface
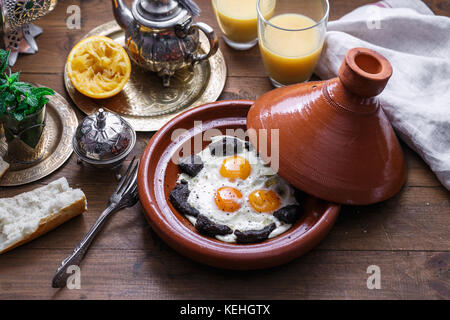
x: 407, y: 237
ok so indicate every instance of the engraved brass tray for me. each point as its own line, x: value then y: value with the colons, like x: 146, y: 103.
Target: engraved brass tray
x: 61, y: 124
x: 144, y: 102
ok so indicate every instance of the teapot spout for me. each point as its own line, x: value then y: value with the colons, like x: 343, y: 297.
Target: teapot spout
x: 122, y: 13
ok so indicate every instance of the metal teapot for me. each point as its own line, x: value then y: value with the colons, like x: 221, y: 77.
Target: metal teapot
x: 160, y: 35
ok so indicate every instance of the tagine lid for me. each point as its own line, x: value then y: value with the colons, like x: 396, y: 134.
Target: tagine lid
x: 332, y: 137
x: 103, y: 136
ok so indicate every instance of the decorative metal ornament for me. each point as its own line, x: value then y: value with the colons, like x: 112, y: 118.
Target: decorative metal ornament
x: 17, y: 30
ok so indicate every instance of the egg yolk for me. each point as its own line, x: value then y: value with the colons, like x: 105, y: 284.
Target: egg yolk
x: 235, y: 168
x: 228, y: 199
x: 264, y: 201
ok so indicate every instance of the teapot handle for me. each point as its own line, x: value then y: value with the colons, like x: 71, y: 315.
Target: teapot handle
x: 212, y: 38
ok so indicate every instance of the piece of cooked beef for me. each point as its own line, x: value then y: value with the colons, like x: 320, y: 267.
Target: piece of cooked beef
x: 210, y: 228
x: 289, y: 214
x: 191, y: 165
x: 254, y: 236
x: 226, y: 147
x: 300, y: 196
x: 179, y: 199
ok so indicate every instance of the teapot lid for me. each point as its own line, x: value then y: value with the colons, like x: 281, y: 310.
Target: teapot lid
x: 103, y: 137
x: 163, y: 13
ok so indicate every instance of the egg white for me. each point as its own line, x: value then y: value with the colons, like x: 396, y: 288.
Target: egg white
x: 203, y: 189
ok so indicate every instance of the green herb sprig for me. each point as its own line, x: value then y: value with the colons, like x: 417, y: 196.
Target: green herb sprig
x: 19, y: 99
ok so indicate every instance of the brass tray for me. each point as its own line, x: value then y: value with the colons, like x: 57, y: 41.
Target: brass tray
x: 144, y: 102
x: 60, y: 126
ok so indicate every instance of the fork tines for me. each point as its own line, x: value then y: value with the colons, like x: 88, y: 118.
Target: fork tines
x: 128, y: 182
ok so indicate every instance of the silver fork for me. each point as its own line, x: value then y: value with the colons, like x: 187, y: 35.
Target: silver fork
x: 125, y: 195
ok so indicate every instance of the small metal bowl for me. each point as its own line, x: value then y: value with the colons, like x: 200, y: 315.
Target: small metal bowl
x: 103, y: 140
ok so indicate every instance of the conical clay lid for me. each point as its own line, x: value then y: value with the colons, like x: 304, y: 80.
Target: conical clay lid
x: 335, y: 141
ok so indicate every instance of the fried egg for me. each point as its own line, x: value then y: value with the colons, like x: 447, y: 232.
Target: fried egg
x: 240, y: 191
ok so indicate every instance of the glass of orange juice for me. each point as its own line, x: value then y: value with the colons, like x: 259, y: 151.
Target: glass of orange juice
x: 291, y: 40
x: 238, y: 21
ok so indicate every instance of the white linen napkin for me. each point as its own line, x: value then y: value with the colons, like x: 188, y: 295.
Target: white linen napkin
x: 417, y: 98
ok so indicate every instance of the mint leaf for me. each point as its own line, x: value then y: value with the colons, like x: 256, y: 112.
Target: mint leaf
x: 41, y: 91
x: 4, y: 59
x: 32, y: 101
x: 13, y: 77
x: 21, y: 106
x: 7, y: 98
x: 43, y: 101
x: 22, y: 87
x: 3, y: 84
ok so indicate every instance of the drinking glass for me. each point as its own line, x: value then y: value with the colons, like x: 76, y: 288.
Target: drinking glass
x: 238, y: 21
x: 291, y: 40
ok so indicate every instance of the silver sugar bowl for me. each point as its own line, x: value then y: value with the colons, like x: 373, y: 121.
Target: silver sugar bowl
x: 160, y: 35
x: 103, y: 140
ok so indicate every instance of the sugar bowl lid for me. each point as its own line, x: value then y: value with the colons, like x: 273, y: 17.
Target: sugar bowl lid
x: 334, y: 140
x: 163, y: 13
x: 103, y: 137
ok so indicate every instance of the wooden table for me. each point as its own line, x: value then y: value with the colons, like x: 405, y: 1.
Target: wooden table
x: 407, y: 237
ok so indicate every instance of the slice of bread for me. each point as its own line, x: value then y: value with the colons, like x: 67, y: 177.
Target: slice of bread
x: 4, y: 166
x: 30, y: 215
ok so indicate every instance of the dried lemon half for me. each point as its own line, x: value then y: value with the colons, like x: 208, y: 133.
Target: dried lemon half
x: 98, y: 67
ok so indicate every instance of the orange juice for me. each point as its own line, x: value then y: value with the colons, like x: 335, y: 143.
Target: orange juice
x: 238, y: 18
x: 290, y: 56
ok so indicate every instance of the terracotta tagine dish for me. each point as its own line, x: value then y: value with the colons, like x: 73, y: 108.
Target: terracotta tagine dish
x: 158, y: 175
x: 335, y: 142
